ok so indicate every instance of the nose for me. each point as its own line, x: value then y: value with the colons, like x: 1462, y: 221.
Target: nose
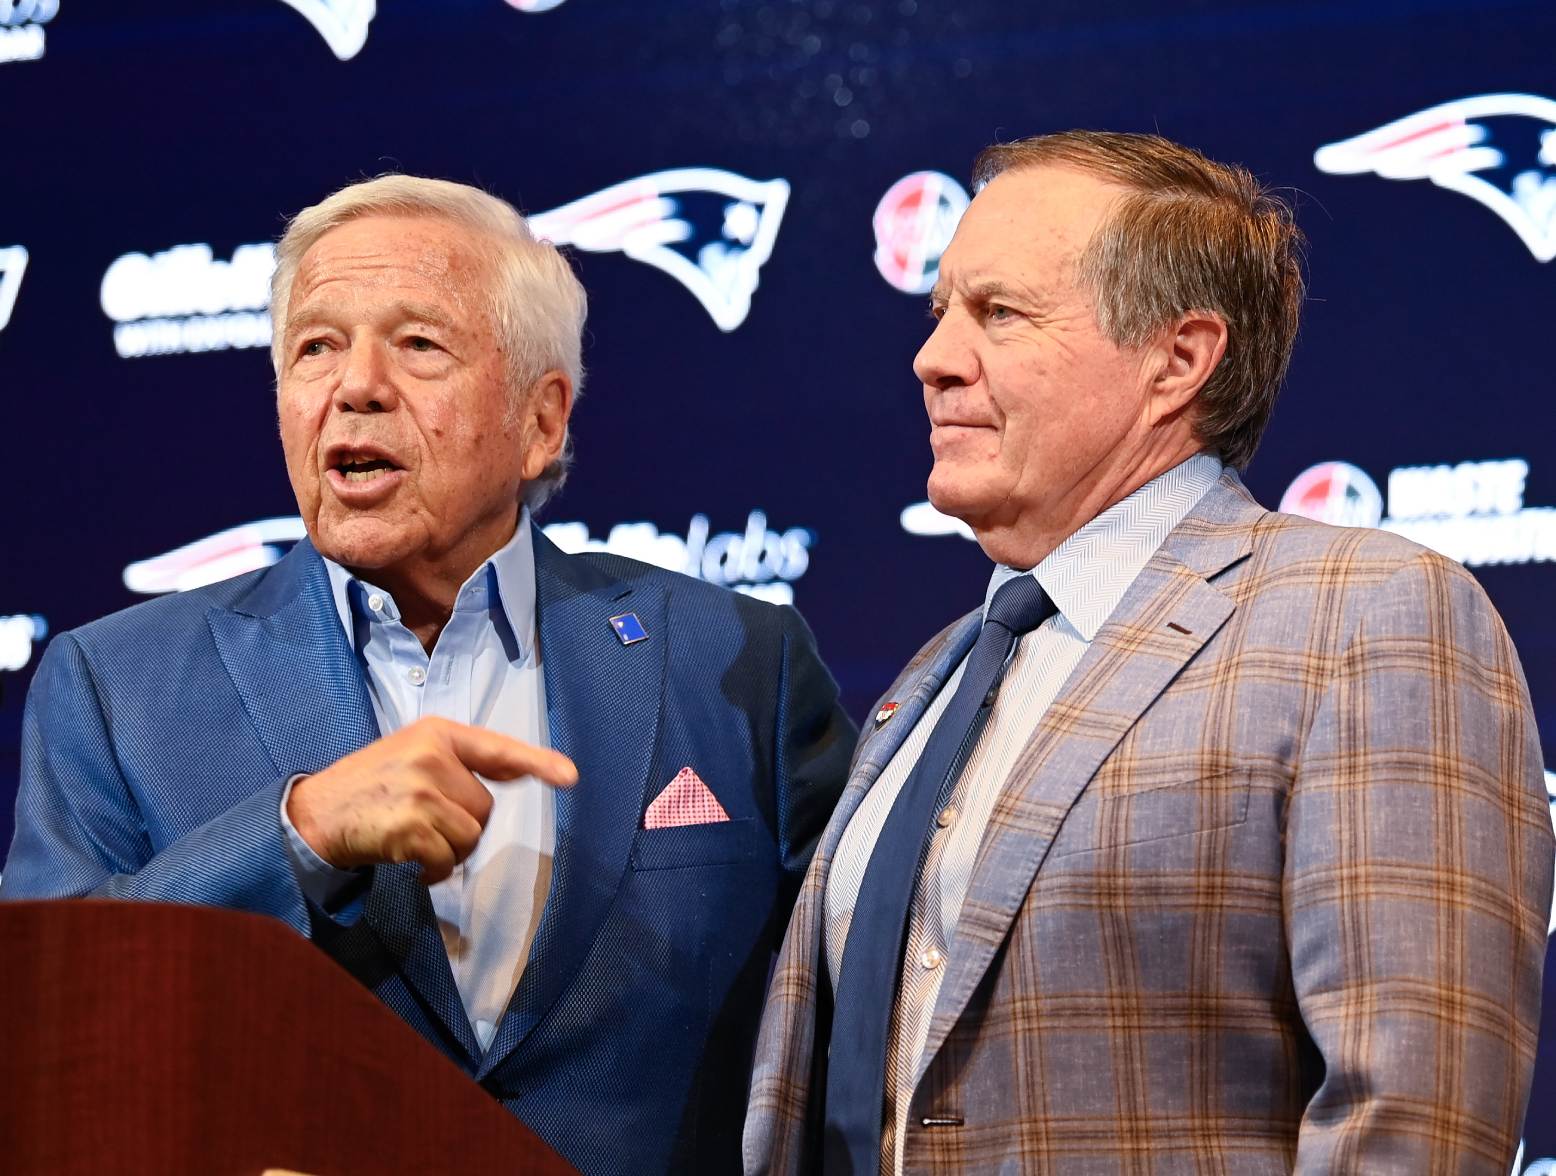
x: 947, y: 359
x: 364, y: 380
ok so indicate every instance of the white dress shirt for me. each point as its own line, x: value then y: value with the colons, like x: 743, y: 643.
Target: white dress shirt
x: 485, y: 671
x: 1086, y: 577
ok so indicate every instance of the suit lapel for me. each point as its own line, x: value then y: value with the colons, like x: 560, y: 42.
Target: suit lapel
x: 1165, y: 618
x: 914, y: 690
x: 299, y: 679
x: 790, y: 1049
x: 287, y: 655
x: 603, y: 702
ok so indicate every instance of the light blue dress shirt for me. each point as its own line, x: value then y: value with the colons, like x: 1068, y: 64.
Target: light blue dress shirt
x: 485, y: 670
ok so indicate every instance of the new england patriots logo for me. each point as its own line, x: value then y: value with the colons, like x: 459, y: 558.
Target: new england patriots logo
x: 710, y: 230
x: 13, y: 263
x: 1499, y: 149
x: 244, y: 548
x: 342, y: 23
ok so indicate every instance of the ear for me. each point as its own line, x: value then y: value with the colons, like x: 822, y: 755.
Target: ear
x: 1188, y: 351
x: 547, y: 405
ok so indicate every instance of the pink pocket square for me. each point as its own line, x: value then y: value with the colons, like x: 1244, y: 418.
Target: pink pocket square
x: 686, y: 800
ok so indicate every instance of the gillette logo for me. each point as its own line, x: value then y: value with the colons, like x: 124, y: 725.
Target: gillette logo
x: 21, y: 28
x: 186, y: 299
x: 757, y: 561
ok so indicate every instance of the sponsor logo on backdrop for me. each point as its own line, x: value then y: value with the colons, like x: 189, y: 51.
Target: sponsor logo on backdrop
x: 1497, y: 149
x: 1473, y: 512
x: 710, y: 230
x: 1335, y: 492
x: 244, y: 548
x: 22, y: 37
x: 757, y: 560
x: 342, y: 23
x: 187, y: 299
x: 13, y: 264
x: 913, y: 224
x: 18, y: 635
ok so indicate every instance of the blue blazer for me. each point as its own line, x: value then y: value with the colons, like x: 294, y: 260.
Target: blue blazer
x: 157, y: 742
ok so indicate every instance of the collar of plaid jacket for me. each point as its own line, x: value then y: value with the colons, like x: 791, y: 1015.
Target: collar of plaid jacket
x: 1087, y: 575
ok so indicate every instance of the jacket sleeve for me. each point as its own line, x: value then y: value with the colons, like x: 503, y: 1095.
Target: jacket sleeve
x: 815, y: 741
x: 79, y: 832
x: 1417, y: 886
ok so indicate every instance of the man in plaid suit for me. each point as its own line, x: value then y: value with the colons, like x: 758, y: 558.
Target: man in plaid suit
x: 1243, y: 862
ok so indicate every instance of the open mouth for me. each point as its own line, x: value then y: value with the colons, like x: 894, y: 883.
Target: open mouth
x: 363, y: 467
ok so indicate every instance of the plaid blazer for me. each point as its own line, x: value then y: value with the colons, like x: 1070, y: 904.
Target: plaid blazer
x: 1267, y: 889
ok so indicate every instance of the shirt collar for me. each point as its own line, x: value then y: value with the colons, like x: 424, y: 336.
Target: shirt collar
x: 1087, y: 575
x: 504, y: 585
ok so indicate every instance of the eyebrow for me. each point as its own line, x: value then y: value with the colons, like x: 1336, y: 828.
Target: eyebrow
x: 994, y: 290
x: 991, y: 290
x: 401, y: 312
x: 423, y: 312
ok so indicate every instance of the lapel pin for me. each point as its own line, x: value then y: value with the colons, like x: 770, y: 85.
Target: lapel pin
x: 629, y: 628
x: 885, y: 713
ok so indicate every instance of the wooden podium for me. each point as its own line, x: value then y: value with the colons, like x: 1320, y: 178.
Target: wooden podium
x: 148, y: 1038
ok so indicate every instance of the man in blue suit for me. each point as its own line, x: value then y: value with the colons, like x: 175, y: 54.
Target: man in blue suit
x: 553, y: 809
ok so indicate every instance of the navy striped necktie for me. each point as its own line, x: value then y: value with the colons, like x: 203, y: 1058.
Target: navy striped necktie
x: 872, y: 956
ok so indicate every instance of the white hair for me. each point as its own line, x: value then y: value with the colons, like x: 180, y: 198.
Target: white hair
x: 537, y: 301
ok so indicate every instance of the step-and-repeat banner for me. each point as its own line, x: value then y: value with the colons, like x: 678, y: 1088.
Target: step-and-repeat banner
x: 794, y: 169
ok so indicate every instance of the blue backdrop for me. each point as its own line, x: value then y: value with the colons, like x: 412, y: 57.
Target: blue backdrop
x: 740, y: 180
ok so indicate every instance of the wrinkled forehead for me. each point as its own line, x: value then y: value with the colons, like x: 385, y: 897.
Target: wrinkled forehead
x: 1028, y: 224
x: 427, y: 256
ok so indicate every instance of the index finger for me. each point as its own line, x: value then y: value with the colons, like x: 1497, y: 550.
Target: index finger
x: 501, y: 757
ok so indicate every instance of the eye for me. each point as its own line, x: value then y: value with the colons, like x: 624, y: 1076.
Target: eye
x: 421, y: 343
x: 313, y: 347
x: 999, y: 313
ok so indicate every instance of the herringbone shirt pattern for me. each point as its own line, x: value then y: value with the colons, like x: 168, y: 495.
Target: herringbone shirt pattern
x: 1266, y: 891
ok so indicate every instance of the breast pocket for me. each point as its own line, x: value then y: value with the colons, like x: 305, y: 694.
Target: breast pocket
x: 1116, y: 812
x: 689, y: 846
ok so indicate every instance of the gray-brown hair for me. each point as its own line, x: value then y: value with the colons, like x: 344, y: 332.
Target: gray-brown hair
x: 537, y: 302
x: 1191, y: 234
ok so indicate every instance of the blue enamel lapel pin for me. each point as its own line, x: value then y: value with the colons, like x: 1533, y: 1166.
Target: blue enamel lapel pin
x: 629, y: 628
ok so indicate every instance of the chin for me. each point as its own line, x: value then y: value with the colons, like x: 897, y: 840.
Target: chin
x: 359, y: 543
x: 953, y: 496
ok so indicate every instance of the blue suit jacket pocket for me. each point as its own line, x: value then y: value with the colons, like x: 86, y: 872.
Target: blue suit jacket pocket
x: 688, y: 846
x: 1120, y: 810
